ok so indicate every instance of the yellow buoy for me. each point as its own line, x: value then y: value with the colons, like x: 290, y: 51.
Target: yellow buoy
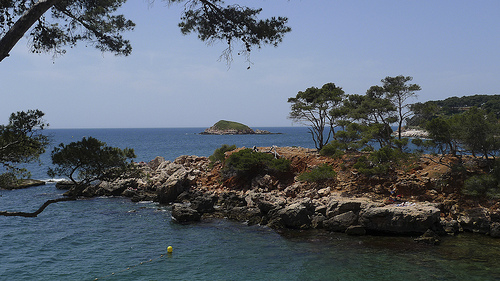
x: 170, y: 249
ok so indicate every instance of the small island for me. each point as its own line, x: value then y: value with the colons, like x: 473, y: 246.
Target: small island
x: 224, y: 127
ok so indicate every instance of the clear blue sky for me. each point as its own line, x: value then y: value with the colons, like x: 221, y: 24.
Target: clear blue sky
x: 449, y: 47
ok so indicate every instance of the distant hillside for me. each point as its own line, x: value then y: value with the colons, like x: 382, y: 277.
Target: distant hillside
x: 454, y: 105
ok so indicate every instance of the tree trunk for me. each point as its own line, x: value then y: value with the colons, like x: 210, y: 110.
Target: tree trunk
x: 35, y: 213
x: 25, y: 22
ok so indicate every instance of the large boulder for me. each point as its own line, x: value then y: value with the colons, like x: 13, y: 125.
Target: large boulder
x: 264, y: 201
x: 340, y: 205
x: 296, y: 215
x: 184, y: 213
x: 416, y: 218
x: 249, y: 215
x: 117, y: 187
x: 177, y: 183
x: 341, y: 222
x: 355, y: 230
x: 475, y: 220
x: 203, y: 203
x: 153, y: 164
x: 495, y: 230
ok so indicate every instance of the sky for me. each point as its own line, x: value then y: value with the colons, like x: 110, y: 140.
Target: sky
x: 449, y: 47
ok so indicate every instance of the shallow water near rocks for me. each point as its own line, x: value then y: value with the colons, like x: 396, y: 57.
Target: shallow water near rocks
x: 115, y: 239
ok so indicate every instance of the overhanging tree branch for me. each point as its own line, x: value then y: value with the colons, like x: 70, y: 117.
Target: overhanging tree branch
x: 37, y: 212
x: 10, y: 39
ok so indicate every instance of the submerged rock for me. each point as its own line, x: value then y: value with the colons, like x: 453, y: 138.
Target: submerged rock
x: 429, y: 237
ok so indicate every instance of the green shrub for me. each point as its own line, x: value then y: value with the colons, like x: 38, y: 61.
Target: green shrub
x: 248, y: 163
x: 380, y: 161
x: 482, y: 185
x: 332, y: 149
x: 7, y: 180
x: 367, y: 167
x: 219, y: 153
x: 317, y: 174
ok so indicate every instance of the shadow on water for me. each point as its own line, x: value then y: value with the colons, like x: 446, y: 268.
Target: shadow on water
x: 464, y: 257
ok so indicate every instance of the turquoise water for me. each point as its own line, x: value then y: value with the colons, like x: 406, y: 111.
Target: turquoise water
x: 94, y: 238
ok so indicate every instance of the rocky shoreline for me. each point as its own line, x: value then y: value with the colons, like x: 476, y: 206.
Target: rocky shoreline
x: 195, y: 190
x: 25, y: 183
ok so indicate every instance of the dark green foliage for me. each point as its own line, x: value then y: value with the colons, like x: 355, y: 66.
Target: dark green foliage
x: 21, y: 141
x: 313, y: 108
x: 247, y: 163
x: 56, y: 25
x: 483, y: 185
x: 473, y: 131
x: 443, y: 135
x: 318, y: 174
x: 425, y: 112
x: 333, y: 149
x: 454, y: 105
x: 477, y: 132
x: 90, y: 160
x: 7, y: 180
x: 486, y: 185
x: 66, y: 23
x: 375, y: 113
x: 214, y: 22
x: 219, y: 153
x: 380, y: 161
x: 352, y: 136
x: 402, y: 144
x: 398, y: 91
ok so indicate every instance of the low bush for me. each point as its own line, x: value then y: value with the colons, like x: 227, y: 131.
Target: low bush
x: 482, y: 185
x: 487, y: 185
x: 248, y: 163
x: 7, y: 180
x: 380, y: 161
x: 317, y: 174
x: 219, y: 153
x: 332, y: 149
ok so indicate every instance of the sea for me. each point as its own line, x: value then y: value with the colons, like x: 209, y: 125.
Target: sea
x: 112, y: 238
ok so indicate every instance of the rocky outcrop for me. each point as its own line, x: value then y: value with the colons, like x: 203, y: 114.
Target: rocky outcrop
x: 164, y: 180
x: 184, y: 213
x: 196, y: 191
x: 24, y: 183
x: 416, y: 218
x: 355, y: 216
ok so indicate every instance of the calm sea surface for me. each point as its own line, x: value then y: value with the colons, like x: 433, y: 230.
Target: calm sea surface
x: 115, y: 239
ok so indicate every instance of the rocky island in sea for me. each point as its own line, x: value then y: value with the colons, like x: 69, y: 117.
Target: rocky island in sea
x: 224, y: 127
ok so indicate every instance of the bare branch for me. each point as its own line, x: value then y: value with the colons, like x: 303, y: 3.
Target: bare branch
x: 37, y: 212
